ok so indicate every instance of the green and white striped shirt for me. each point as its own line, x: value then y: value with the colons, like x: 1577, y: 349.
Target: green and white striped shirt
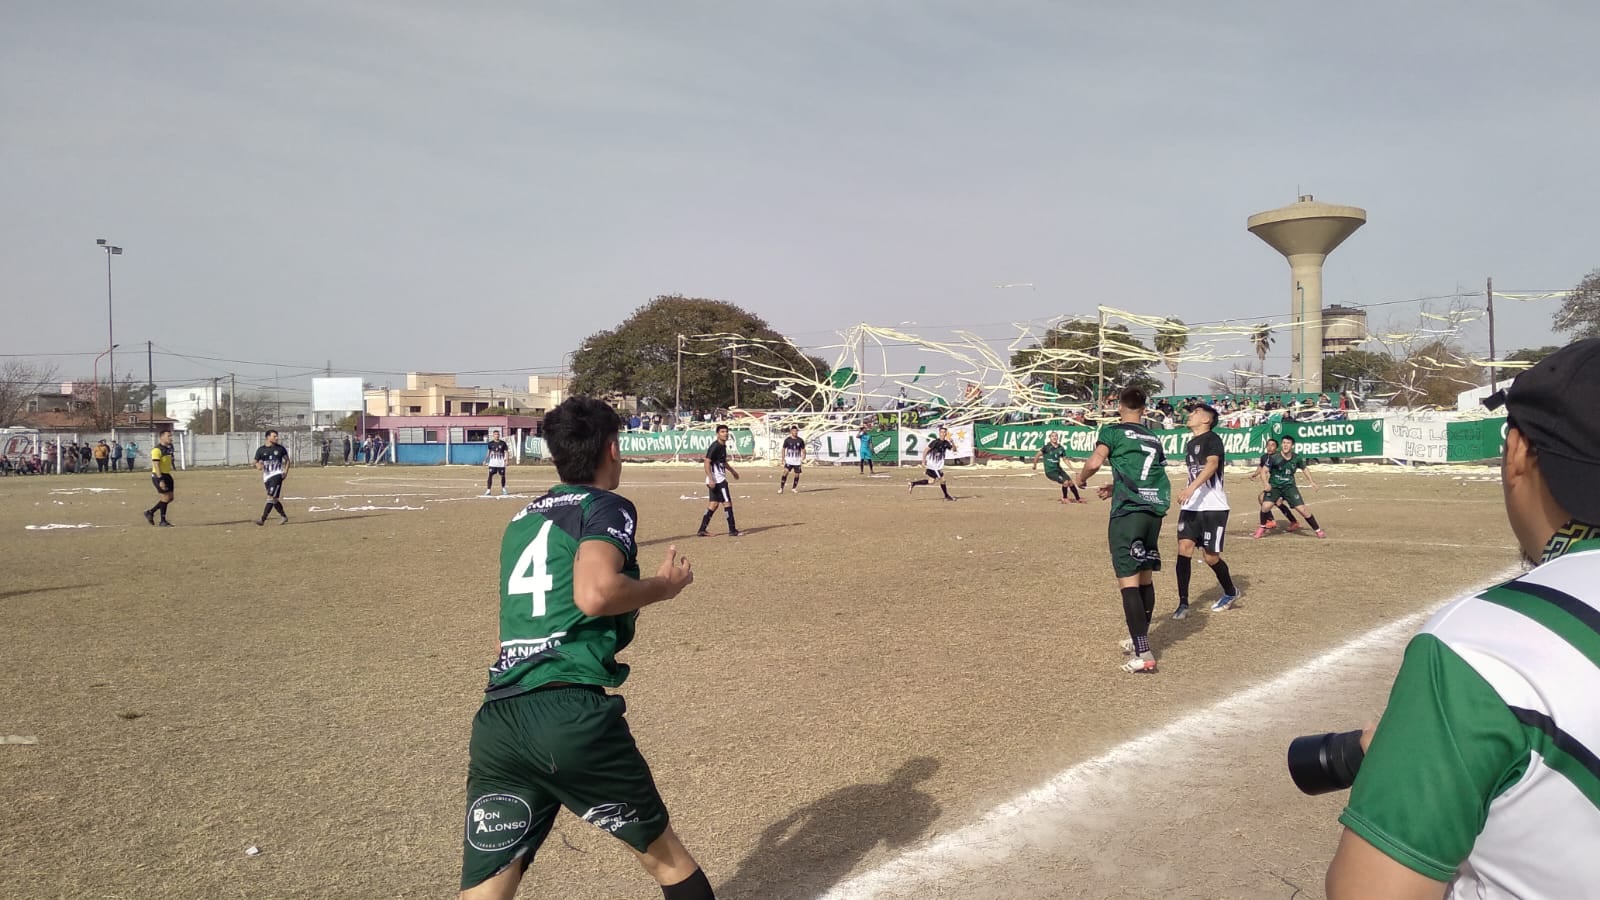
x: 1483, y: 771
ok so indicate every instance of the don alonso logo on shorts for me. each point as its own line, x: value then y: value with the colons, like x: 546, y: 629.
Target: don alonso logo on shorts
x: 497, y: 821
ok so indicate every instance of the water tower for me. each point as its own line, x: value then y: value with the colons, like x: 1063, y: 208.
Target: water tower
x: 1306, y: 232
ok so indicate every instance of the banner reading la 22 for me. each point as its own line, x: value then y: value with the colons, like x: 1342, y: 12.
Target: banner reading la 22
x: 1322, y: 439
x: 904, y: 445
x: 682, y: 443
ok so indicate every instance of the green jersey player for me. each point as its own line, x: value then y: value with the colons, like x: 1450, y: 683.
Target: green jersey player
x: 548, y: 734
x: 1139, y: 494
x: 1053, y: 453
x: 1279, y: 469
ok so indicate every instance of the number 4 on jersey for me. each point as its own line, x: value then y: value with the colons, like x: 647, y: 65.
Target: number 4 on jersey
x: 529, y: 575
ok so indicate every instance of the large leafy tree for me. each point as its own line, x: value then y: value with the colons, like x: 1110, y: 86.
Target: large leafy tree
x: 1068, y: 360
x: 1432, y: 374
x: 1360, y: 370
x: 1579, y: 315
x: 639, y: 358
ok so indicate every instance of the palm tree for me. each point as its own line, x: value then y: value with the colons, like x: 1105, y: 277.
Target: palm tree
x: 1261, y: 337
x: 1171, y: 337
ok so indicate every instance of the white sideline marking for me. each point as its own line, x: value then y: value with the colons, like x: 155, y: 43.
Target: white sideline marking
x: 999, y: 832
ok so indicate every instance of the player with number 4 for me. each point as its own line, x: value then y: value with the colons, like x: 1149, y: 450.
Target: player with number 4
x: 548, y: 734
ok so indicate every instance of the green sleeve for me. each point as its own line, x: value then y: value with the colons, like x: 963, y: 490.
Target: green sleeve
x: 1446, y: 746
x: 1109, y: 436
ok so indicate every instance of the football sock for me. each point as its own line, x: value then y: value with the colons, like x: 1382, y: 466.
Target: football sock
x: 1063, y: 492
x: 1312, y: 521
x: 278, y: 505
x: 870, y: 468
x: 919, y: 482
x: 1147, y: 596
x: 695, y: 887
x: 784, y: 481
x: 162, y: 508
x: 490, y: 483
x: 797, y: 482
x: 1138, y: 625
x: 1288, y: 513
x: 1185, y: 563
x: 1073, y: 486
x: 1220, y: 567
x: 266, y: 511
x: 1265, y: 517
x: 731, y: 526
x: 945, y: 488
x: 705, y: 520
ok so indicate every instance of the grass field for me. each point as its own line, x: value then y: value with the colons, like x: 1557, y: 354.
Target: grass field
x: 864, y: 670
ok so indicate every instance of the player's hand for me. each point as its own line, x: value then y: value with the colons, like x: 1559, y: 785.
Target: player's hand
x: 1185, y: 494
x: 1367, y: 731
x: 675, y: 572
x: 1104, y: 492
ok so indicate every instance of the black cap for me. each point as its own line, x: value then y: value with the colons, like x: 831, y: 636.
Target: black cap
x: 1554, y: 405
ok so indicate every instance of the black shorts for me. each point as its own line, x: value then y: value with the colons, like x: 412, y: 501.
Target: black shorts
x: 163, y: 483
x: 794, y: 469
x: 720, y: 493
x: 1205, y: 527
x: 933, y: 474
x: 274, y: 486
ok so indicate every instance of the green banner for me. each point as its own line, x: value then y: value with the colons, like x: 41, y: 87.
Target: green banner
x: 1351, y: 438
x: 682, y: 443
x: 1475, y: 440
x: 1315, y: 439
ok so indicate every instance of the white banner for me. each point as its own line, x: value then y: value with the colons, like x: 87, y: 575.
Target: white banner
x: 1416, y: 436
x: 845, y: 446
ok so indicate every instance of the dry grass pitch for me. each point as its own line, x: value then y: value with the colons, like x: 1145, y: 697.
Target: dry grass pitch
x: 864, y: 670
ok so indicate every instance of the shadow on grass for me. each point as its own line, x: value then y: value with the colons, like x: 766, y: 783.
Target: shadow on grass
x: 23, y: 592
x: 683, y: 539
x: 815, y: 846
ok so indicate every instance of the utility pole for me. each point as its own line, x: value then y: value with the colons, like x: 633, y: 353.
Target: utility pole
x: 1488, y: 293
x: 677, y: 395
x: 1100, y: 351
x: 233, y: 391
x: 215, y: 402
x: 150, y: 399
x: 735, y: 374
x: 111, y: 329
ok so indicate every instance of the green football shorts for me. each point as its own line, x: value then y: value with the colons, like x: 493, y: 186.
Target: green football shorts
x: 534, y: 753
x: 1289, y: 494
x: 1133, y: 543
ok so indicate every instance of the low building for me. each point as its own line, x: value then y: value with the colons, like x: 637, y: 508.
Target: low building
x: 451, y: 440
x: 439, y: 394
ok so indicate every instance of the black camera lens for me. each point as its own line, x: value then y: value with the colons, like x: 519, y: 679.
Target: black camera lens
x: 1322, y: 763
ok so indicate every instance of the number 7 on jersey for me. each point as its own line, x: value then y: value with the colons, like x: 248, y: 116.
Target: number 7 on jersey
x: 530, y: 575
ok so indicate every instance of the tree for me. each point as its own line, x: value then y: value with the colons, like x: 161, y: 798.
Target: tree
x: 1358, y: 370
x: 1172, y: 336
x: 639, y: 358
x: 1432, y: 374
x: 1579, y: 314
x: 250, y: 413
x: 1261, y: 339
x: 1068, y: 360
x: 1532, y: 355
x: 21, y: 381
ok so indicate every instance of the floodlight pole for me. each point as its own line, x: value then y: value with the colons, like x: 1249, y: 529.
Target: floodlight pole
x: 111, y: 331
x: 1100, y: 353
x: 1488, y: 293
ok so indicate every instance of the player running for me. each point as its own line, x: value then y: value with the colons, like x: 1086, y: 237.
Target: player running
x: 161, y: 456
x: 794, y: 456
x: 933, y: 463
x: 718, y: 471
x: 1280, y: 469
x: 272, y: 458
x: 495, y: 456
x: 1052, y: 453
x: 1203, y: 513
x: 548, y: 734
x: 1140, y: 495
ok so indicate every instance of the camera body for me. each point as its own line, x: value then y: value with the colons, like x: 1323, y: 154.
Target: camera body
x: 1323, y: 763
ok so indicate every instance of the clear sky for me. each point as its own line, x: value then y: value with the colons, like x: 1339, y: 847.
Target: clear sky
x: 410, y: 184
